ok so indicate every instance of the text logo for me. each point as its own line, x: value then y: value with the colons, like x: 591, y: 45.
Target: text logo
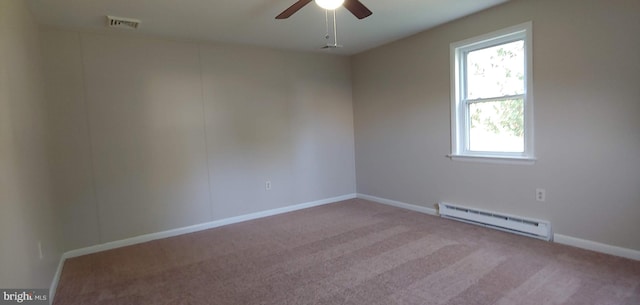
x: 24, y: 296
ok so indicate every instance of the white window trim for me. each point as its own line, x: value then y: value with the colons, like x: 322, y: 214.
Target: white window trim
x: 458, y: 116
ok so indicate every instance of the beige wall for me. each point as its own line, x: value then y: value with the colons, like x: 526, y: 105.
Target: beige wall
x: 26, y: 213
x: 586, y: 90
x: 150, y: 134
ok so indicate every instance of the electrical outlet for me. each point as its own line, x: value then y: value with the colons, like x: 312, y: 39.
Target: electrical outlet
x: 541, y: 195
x: 267, y: 185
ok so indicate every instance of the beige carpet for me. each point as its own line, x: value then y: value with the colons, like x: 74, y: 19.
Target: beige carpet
x: 351, y: 252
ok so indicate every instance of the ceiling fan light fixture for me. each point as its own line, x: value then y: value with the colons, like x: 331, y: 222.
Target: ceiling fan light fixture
x: 329, y: 4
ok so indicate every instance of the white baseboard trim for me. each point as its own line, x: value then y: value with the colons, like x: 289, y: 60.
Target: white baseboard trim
x: 185, y: 230
x: 558, y: 238
x: 399, y: 204
x: 199, y: 227
x: 596, y: 246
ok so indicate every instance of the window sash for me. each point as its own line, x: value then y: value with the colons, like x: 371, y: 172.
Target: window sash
x: 495, y: 99
x: 464, y: 53
x: 467, y: 125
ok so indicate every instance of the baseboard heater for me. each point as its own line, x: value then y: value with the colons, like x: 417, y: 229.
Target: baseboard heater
x: 524, y: 226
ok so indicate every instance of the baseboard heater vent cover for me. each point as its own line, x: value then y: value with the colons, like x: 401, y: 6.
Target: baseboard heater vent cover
x: 524, y: 226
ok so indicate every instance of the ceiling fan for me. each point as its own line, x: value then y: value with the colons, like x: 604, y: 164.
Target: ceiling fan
x: 354, y: 6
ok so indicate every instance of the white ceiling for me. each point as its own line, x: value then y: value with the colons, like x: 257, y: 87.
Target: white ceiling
x: 253, y: 22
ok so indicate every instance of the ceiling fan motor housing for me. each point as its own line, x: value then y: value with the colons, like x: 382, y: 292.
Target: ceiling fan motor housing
x: 329, y: 4
x: 354, y: 6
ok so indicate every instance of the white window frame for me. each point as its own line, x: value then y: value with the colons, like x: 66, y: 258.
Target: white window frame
x: 459, y: 110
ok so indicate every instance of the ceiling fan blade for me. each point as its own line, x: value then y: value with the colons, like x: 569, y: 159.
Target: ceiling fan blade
x: 293, y: 9
x: 357, y: 9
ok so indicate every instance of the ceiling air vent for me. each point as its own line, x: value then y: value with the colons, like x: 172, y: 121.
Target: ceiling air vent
x: 123, y: 23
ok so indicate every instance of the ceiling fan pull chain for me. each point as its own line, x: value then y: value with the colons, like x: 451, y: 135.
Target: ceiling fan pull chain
x: 326, y: 22
x: 335, y: 30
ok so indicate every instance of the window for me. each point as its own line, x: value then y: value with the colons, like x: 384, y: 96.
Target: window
x: 491, y: 101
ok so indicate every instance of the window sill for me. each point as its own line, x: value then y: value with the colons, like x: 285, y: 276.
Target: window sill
x: 493, y: 159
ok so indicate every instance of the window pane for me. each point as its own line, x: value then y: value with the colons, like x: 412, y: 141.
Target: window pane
x: 497, y: 126
x: 496, y: 71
